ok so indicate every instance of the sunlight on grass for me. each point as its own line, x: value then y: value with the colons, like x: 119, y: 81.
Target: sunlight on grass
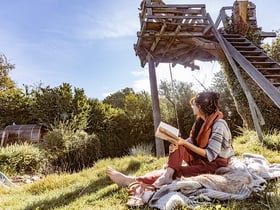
x: 91, y: 189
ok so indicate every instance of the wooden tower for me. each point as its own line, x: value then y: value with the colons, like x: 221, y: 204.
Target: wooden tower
x: 183, y: 33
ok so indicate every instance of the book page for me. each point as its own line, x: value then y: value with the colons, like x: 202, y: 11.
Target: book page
x: 170, y: 128
x: 167, y: 132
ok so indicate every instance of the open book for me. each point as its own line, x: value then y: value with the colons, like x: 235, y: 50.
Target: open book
x: 167, y: 132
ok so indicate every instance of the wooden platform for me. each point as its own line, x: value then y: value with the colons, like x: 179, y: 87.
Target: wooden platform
x: 177, y: 34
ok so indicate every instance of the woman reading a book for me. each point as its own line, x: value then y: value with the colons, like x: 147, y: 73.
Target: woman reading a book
x: 207, y: 149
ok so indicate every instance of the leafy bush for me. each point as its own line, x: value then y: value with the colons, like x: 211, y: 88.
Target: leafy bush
x: 22, y: 159
x: 70, y: 149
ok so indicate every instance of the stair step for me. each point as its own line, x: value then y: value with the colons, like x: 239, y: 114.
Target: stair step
x: 269, y: 70
x: 248, y: 48
x: 240, y: 43
x: 276, y: 84
x: 237, y: 39
x: 257, y: 58
x: 232, y: 36
x: 263, y: 64
x: 245, y: 53
x: 272, y: 76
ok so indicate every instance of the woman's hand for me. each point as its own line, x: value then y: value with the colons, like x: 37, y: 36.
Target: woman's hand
x: 181, y: 142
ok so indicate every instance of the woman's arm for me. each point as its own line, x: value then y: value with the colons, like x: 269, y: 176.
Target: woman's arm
x: 192, y: 147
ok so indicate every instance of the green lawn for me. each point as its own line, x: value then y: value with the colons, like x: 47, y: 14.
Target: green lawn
x: 92, y: 189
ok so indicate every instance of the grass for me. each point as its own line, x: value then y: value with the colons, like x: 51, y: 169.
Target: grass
x: 91, y: 188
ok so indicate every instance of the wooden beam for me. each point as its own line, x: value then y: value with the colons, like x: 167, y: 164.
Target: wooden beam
x: 268, y: 34
x: 176, y: 6
x: 162, y: 30
x: 163, y: 16
x: 155, y: 103
x: 172, y: 34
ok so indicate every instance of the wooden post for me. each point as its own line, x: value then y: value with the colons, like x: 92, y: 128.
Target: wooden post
x: 243, y: 10
x: 155, y: 103
x: 240, y: 10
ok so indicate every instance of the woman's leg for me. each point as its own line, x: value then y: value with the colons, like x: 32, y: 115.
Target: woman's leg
x: 201, y: 166
x: 158, y: 177
x: 176, y: 156
x: 123, y: 180
x: 119, y: 178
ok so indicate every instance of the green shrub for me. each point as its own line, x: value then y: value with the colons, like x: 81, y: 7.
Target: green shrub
x: 22, y: 159
x: 69, y: 149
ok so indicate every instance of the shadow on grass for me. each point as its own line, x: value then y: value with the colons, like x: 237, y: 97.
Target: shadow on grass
x: 67, y: 198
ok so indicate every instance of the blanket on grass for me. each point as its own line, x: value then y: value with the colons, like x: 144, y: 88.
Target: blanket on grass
x: 237, y: 181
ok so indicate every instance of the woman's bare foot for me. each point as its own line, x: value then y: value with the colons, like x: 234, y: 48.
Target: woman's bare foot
x: 119, y: 178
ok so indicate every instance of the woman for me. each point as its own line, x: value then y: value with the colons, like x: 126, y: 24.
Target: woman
x: 207, y: 149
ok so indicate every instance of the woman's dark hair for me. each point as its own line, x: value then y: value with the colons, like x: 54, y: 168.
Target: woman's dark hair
x: 207, y: 101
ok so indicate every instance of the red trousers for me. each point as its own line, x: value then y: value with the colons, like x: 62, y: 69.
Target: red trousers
x: 196, y: 165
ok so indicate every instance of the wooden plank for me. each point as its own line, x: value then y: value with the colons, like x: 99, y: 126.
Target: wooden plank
x: 175, y: 5
x: 178, y: 11
x: 162, y: 16
x: 172, y: 34
x: 268, y: 34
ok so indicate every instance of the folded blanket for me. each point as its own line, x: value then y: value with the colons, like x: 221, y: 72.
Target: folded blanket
x: 236, y: 181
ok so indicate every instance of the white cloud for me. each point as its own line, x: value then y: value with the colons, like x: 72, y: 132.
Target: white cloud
x: 119, y: 20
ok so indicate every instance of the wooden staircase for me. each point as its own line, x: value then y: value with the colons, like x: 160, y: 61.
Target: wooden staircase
x: 260, y: 67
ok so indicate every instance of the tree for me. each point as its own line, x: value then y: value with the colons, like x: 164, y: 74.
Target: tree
x: 120, y: 128
x: 138, y: 109
x: 227, y: 104
x: 60, y: 104
x: 117, y: 99
x: 178, y: 96
x: 111, y: 127
x: 5, y: 81
x: 273, y: 50
x: 14, y: 103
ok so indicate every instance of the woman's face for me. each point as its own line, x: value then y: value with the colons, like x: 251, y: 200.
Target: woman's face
x: 195, y: 109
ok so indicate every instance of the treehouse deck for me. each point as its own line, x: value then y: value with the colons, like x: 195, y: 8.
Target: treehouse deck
x: 183, y: 33
x: 177, y: 34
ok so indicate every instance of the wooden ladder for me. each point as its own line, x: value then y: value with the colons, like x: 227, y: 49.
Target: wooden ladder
x: 260, y: 67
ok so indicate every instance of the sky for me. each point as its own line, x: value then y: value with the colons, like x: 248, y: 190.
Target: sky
x: 89, y: 43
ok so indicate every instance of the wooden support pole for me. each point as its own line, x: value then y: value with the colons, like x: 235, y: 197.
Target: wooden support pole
x: 155, y: 103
